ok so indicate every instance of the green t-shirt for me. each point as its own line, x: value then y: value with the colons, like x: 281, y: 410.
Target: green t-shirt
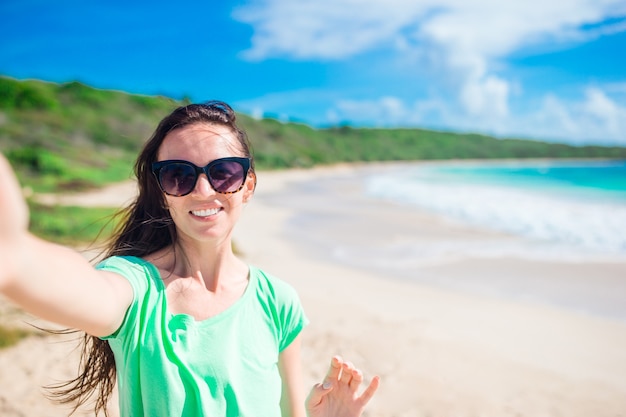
x: 172, y: 365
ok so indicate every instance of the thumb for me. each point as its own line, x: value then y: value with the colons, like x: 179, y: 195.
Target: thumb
x: 317, y: 394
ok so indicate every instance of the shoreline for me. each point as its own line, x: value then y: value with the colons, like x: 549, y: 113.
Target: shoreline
x: 334, y: 220
x: 439, y: 350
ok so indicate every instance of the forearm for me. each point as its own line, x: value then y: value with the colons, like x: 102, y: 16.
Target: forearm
x: 59, y: 285
x: 292, y: 401
x: 51, y: 281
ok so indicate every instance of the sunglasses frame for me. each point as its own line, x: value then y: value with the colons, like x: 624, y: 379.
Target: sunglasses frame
x: 244, y: 162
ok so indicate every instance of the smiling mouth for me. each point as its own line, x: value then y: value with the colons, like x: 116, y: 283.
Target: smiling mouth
x: 205, y: 213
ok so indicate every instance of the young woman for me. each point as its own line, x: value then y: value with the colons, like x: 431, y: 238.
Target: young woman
x: 184, y: 326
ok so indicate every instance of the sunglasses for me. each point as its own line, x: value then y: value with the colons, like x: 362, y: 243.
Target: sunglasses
x: 179, y: 178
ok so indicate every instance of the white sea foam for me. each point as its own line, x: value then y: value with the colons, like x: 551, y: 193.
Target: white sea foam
x: 584, y: 225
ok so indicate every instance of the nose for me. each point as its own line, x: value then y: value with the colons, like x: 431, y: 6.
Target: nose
x: 203, y: 186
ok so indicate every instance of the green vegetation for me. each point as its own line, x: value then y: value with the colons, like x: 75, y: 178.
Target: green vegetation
x: 62, y: 137
x: 10, y: 336
x: 71, y: 137
x: 71, y: 225
x: 281, y: 145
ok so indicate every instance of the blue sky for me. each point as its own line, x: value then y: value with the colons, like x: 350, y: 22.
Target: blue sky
x: 517, y: 68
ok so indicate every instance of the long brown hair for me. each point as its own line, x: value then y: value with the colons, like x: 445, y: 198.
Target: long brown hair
x: 145, y: 227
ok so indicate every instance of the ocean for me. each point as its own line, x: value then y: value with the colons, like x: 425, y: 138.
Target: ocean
x: 570, y: 208
x: 547, y: 232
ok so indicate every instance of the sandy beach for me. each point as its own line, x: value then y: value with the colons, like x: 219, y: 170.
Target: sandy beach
x: 458, y: 334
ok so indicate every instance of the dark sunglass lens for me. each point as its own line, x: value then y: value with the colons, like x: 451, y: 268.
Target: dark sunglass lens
x: 226, y: 176
x: 178, y: 179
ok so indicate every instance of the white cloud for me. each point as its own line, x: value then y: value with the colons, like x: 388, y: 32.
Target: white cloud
x: 336, y: 29
x: 488, y: 96
x: 618, y: 88
x: 321, y: 29
x: 599, y: 105
x: 554, y: 119
x: 594, y: 117
x: 605, y: 113
x: 466, y: 39
x: 257, y: 112
x: 383, y: 111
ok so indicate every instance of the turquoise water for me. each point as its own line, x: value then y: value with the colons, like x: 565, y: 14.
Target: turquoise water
x: 604, y: 178
x: 575, y: 206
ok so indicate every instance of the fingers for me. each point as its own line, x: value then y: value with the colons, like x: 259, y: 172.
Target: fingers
x: 334, y: 371
x: 370, y: 390
x: 347, y: 370
x: 319, y: 391
x: 339, y: 387
x: 356, y: 381
x: 317, y: 394
x: 344, y: 373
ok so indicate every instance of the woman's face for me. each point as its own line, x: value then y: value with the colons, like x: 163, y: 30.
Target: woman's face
x: 205, y: 215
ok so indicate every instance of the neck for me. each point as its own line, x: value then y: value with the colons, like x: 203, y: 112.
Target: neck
x: 214, y: 265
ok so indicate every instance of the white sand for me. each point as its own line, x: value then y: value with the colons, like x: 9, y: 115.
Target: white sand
x: 440, y: 350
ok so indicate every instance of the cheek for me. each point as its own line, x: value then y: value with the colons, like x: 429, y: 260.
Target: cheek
x: 172, y: 206
x: 233, y: 200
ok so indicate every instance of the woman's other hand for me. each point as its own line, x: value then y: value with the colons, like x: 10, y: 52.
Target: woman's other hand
x: 338, y: 395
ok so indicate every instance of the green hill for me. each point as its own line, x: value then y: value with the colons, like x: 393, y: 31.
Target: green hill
x: 71, y: 136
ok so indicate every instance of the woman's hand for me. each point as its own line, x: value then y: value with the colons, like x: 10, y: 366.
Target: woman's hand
x: 338, y: 395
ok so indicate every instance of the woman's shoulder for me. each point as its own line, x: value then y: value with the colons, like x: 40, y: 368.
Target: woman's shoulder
x: 122, y: 262
x: 155, y: 260
x: 138, y: 271
x: 266, y: 282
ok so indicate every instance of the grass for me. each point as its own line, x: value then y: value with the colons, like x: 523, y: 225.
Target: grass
x: 10, y: 336
x: 71, y: 225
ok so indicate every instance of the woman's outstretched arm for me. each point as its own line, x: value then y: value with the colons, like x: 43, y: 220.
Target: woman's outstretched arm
x: 52, y: 281
x: 338, y: 395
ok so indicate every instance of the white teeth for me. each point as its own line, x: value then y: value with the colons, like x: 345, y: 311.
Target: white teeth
x: 205, y: 213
